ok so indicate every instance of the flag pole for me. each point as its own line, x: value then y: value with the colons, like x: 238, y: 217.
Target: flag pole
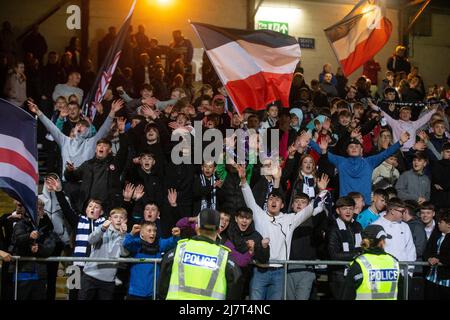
x: 218, y: 74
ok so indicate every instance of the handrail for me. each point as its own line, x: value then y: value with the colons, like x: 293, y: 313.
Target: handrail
x: 404, y: 265
x: 153, y: 260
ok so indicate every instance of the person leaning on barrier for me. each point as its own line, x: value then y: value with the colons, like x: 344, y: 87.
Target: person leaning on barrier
x: 199, y: 269
x: 375, y: 274
x: 5, y: 256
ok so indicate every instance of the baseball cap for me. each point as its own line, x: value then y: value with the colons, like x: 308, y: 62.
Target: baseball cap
x: 375, y: 232
x: 209, y: 219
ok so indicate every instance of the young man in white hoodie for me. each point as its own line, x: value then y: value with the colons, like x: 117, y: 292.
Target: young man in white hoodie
x: 268, y: 279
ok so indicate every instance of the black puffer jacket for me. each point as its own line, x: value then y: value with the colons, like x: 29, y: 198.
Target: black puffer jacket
x: 440, y: 171
x: 335, y: 239
x: 443, y: 272
x: 100, y: 178
x: 21, y: 245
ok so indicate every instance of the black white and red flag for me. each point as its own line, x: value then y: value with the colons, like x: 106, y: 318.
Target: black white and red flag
x: 256, y: 67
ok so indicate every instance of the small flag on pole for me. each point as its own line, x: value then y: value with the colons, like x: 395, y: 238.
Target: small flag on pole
x: 106, y: 72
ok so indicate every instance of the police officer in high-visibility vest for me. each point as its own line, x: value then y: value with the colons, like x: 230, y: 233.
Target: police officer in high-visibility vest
x: 199, y: 269
x: 375, y: 274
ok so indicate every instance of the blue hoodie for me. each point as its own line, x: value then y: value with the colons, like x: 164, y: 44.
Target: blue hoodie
x: 299, y: 113
x: 355, y: 173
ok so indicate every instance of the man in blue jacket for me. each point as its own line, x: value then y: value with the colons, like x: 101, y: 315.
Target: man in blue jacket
x: 355, y: 171
x: 143, y: 242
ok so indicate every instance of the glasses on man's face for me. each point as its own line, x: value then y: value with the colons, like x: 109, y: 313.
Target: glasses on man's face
x: 402, y: 211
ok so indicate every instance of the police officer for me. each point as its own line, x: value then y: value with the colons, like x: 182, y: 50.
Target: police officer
x: 375, y: 274
x: 198, y: 268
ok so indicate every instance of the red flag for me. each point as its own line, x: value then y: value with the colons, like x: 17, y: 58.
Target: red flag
x: 360, y: 35
x: 256, y: 67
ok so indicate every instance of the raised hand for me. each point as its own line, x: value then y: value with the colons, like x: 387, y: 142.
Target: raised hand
x: 176, y: 232
x: 55, y: 184
x: 148, y: 112
x: 174, y: 125
x: 423, y: 135
x: 116, y: 106
x: 138, y: 192
x: 120, y: 90
x: 33, y: 107
x: 265, y: 242
x: 172, y: 197
x: 218, y: 184
x: 136, y: 229
x: 356, y: 133
x: 106, y: 224
x: 323, y: 181
x: 241, y: 172
x: 323, y: 145
x: 292, y: 150
x: 277, y: 172
x: 99, y: 107
x: 128, y: 192
x: 123, y: 228
x: 404, y: 137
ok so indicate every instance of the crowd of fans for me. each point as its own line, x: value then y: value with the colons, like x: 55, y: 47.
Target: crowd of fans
x: 351, y: 155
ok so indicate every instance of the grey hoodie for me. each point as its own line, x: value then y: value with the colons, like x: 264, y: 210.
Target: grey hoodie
x: 53, y: 210
x: 79, y: 149
x: 105, y: 244
x: 411, y: 186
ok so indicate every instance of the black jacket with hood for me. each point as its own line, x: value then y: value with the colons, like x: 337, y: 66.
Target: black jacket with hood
x: 101, y: 178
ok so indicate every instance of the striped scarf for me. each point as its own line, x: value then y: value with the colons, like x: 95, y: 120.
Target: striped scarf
x: 211, y: 202
x: 345, y: 239
x: 432, y: 275
x: 84, y: 228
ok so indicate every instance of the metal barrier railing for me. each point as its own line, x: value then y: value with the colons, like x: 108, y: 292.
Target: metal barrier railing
x: 404, y: 265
